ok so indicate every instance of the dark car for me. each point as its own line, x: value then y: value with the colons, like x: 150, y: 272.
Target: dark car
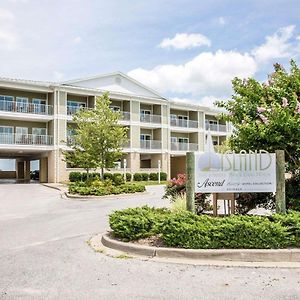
x: 35, y: 175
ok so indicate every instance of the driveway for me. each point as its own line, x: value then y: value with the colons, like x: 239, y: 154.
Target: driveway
x: 44, y: 255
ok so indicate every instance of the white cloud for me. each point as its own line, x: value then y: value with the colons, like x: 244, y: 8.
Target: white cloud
x: 207, y: 73
x: 185, y: 41
x: 278, y: 45
x: 222, y: 21
x: 77, y: 40
x: 8, y: 35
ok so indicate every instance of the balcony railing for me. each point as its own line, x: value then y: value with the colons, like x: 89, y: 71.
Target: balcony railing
x: 151, y: 144
x: 184, y: 146
x: 150, y: 118
x: 125, y: 115
x: 71, y: 110
x: 216, y: 127
x: 28, y: 108
x: 184, y: 123
x: 26, y: 139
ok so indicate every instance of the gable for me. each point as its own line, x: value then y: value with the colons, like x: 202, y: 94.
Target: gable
x: 118, y: 82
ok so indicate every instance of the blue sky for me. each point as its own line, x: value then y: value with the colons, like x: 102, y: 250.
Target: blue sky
x: 183, y: 49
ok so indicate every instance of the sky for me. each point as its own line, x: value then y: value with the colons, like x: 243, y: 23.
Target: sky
x: 186, y: 50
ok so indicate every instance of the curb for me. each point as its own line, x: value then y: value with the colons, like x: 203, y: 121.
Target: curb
x: 241, y: 255
x: 80, y: 197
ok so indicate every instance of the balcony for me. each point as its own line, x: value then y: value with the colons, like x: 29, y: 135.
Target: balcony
x: 156, y: 119
x: 26, y: 139
x: 184, y: 146
x: 125, y: 116
x: 71, y: 110
x: 183, y: 123
x: 216, y: 127
x: 150, y: 144
x: 27, y: 108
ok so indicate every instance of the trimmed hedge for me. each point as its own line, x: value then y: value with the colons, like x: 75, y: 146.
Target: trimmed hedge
x: 99, y: 188
x: 187, y: 230
x: 82, y: 176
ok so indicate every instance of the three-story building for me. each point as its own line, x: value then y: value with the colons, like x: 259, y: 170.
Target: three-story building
x: 36, y: 123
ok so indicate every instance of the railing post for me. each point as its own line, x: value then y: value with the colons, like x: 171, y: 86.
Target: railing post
x: 280, y: 182
x: 190, y: 181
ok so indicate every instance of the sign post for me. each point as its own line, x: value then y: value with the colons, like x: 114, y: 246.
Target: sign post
x: 280, y: 182
x: 159, y: 167
x: 190, y: 181
x: 124, y: 168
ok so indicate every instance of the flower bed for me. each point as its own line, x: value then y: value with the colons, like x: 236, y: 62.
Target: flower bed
x: 187, y: 230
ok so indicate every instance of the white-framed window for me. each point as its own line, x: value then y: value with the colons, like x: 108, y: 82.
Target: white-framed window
x: 145, y: 112
x: 22, y: 135
x: 183, y: 120
x: 76, y: 104
x: 39, y: 105
x: 6, y: 103
x: 22, y: 104
x: 39, y: 131
x: 6, y: 134
x: 39, y: 136
x: 173, y: 139
x: 6, y: 98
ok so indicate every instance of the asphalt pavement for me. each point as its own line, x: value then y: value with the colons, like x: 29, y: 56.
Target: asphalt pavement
x: 44, y: 255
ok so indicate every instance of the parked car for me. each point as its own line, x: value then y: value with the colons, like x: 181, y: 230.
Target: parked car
x: 35, y: 175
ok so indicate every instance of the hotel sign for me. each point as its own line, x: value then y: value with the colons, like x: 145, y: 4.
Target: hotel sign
x: 235, y: 172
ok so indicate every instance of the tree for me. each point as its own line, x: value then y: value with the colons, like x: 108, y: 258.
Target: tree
x: 267, y: 115
x: 98, y: 139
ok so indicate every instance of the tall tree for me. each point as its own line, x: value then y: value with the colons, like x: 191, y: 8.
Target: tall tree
x: 98, y: 138
x: 267, y: 115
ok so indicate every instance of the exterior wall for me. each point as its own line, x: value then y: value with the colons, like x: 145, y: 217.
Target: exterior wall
x: 24, y: 123
x: 20, y: 93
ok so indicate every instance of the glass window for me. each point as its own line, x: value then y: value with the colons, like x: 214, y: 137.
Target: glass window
x: 39, y: 131
x: 145, y: 137
x: 22, y: 104
x: 6, y: 103
x: 39, y: 106
x: 6, y: 135
x: 115, y: 108
x: 183, y: 140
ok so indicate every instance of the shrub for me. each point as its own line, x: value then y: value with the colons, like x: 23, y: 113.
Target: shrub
x: 153, y: 176
x: 293, y: 192
x: 179, y: 203
x: 128, y: 177
x: 176, y: 186
x: 118, y: 179
x: 137, y: 177
x: 163, y: 176
x: 135, y: 223
x: 75, y: 176
x: 145, y: 176
x: 187, y: 230
x: 106, y: 187
x: 107, y: 176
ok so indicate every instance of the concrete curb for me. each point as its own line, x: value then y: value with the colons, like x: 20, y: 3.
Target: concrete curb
x: 241, y: 255
x: 80, y: 197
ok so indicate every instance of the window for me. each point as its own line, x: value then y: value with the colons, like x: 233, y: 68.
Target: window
x: 145, y: 141
x: 39, y: 136
x: 22, y: 104
x: 183, y: 140
x: 6, y: 135
x: 145, y: 115
x: 39, y: 106
x: 22, y: 135
x: 73, y: 106
x: 173, y: 139
x: 6, y: 103
x: 145, y: 137
x: 183, y: 121
x: 39, y: 131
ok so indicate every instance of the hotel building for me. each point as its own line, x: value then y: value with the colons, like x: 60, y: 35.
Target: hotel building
x: 36, y: 124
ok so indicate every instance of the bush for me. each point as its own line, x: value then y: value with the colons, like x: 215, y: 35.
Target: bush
x: 102, y: 188
x: 82, y: 176
x: 137, y: 177
x: 176, y: 187
x: 134, y: 223
x: 163, y: 176
x: 75, y: 176
x: 107, y: 176
x: 128, y: 177
x: 153, y: 176
x: 293, y: 192
x: 187, y: 230
x: 145, y: 176
x: 118, y: 179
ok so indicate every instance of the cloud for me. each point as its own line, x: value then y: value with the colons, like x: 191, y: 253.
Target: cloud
x: 8, y: 34
x: 278, y: 45
x: 206, y: 74
x: 77, y: 40
x: 185, y: 41
x: 222, y: 21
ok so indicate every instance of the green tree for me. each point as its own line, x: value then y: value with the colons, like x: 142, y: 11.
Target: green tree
x: 267, y: 115
x: 98, y: 139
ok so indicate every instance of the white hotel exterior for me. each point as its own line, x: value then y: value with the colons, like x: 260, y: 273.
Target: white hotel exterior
x: 36, y: 121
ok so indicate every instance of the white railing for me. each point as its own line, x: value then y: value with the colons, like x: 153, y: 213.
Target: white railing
x: 216, y: 127
x: 184, y: 123
x: 25, y: 139
x: 125, y: 115
x: 151, y: 144
x: 184, y: 146
x: 150, y: 118
x: 28, y: 108
x: 71, y: 110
